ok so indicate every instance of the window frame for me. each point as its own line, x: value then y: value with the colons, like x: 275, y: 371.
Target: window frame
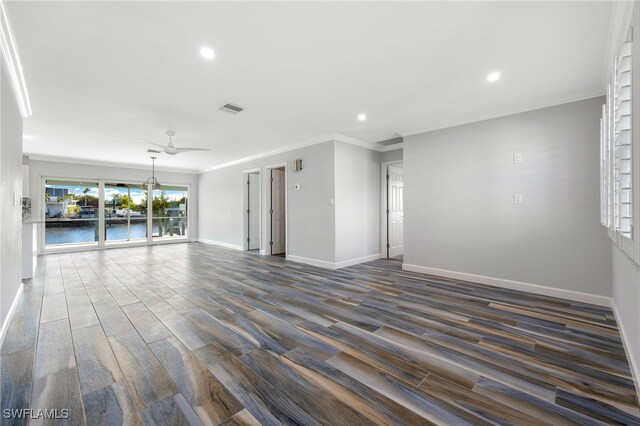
x: 102, y: 242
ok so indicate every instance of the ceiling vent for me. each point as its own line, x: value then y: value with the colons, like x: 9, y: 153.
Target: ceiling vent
x: 233, y: 109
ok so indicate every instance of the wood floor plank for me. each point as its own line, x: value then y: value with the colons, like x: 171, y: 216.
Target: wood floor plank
x: 97, y: 365
x: 16, y: 380
x: 262, y: 400
x: 147, y: 380
x: 209, y: 398
x: 147, y: 324
x: 111, y: 405
x: 198, y: 334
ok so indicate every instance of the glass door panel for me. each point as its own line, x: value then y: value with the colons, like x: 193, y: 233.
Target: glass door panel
x: 170, y: 213
x: 70, y: 212
x: 125, y: 214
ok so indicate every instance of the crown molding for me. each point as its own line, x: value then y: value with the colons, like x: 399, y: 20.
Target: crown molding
x: 309, y: 142
x: 622, y: 12
x: 86, y: 162
x: 11, y: 58
x: 505, y: 112
x: 357, y: 142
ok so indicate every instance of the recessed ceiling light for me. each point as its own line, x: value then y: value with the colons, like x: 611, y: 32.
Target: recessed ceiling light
x: 362, y: 117
x: 494, y: 76
x: 207, y: 53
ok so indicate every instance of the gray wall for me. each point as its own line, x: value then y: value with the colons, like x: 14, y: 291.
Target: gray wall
x: 626, y: 296
x: 357, y: 202
x: 51, y: 169
x: 394, y: 155
x: 459, y: 187
x: 10, y: 187
x: 310, y: 215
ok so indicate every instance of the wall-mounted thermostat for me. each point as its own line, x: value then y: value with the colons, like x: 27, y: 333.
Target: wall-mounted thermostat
x: 297, y: 165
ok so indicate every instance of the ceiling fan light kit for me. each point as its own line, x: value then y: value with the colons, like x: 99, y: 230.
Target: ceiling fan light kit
x: 170, y: 148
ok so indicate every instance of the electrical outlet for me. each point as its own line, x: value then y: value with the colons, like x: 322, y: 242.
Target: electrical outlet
x: 517, y: 158
x: 517, y: 198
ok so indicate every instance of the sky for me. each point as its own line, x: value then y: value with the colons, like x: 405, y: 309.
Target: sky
x: 137, y: 195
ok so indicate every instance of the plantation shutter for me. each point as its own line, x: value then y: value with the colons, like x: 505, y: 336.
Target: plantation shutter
x: 621, y: 136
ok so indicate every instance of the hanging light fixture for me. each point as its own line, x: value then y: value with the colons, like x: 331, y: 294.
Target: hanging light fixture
x: 152, y: 180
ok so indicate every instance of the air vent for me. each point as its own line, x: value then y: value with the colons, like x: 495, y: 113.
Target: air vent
x: 233, y: 109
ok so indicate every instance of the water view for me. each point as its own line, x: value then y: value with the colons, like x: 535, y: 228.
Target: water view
x: 115, y: 232
x: 71, y: 212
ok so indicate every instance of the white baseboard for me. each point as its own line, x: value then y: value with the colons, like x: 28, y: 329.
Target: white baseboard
x: 313, y: 262
x: 221, y: 244
x: 633, y: 362
x: 12, y: 309
x: 352, y: 262
x: 514, y: 285
x: 332, y: 265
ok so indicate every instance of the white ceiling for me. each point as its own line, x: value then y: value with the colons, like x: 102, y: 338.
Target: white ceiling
x: 102, y: 74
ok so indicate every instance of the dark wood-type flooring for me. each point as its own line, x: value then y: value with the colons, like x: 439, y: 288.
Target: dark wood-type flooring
x: 196, y: 334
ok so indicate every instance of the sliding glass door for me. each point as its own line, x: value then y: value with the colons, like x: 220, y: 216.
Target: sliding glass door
x: 170, y: 213
x: 102, y: 213
x: 70, y: 213
x: 125, y: 212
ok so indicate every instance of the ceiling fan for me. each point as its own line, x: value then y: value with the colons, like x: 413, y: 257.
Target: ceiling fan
x: 171, y: 149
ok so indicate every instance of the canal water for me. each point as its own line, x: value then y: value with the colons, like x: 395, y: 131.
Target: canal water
x: 87, y: 234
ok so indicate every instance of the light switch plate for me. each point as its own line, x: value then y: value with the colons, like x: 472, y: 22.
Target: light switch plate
x: 517, y: 158
x: 517, y: 198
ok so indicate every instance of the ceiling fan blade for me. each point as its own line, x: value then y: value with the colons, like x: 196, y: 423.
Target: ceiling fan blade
x: 152, y: 143
x: 191, y: 149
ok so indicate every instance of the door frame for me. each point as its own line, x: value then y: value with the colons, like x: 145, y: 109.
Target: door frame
x: 245, y: 206
x: 267, y: 216
x: 384, y: 218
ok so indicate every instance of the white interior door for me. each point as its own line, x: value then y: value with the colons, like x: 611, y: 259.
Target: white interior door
x: 254, y: 211
x: 396, y: 211
x: 278, y: 212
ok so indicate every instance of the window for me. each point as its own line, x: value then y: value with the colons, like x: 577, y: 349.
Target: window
x: 70, y: 212
x: 102, y: 213
x: 617, y: 153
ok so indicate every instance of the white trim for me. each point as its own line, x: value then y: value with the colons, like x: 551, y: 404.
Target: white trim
x: 220, y: 243
x: 245, y: 206
x: 351, y: 262
x: 503, y: 111
x: 138, y: 167
x: 322, y: 139
x: 635, y: 372
x: 254, y: 170
x: 576, y: 296
x: 14, y: 66
x: 12, y: 309
x: 312, y: 262
x: 383, y: 205
x: 357, y: 142
x: 332, y: 265
x: 266, y: 217
x: 293, y: 147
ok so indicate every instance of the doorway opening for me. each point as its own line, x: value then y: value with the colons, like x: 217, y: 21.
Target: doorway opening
x: 277, y: 212
x: 252, y: 211
x: 392, y: 210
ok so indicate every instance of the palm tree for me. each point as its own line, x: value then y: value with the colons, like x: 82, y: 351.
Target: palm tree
x: 85, y: 195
